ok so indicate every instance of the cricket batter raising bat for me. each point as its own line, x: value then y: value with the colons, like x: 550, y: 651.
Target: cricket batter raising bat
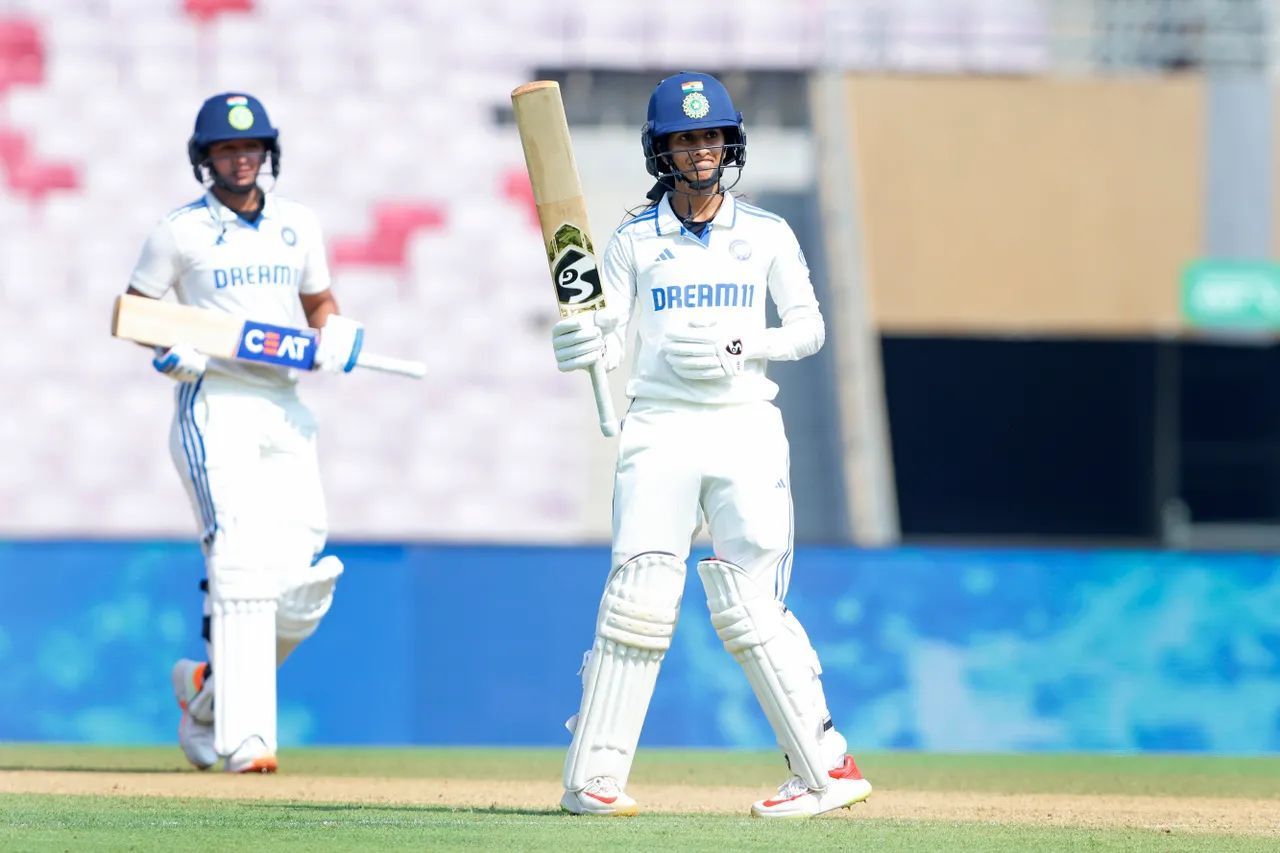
x: 701, y: 441
x: 242, y: 441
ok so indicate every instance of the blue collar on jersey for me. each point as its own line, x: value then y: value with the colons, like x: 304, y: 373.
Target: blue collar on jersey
x: 225, y: 215
x: 667, y: 222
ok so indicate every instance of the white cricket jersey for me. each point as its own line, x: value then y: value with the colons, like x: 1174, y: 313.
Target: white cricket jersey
x: 662, y: 276
x: 212, y: 258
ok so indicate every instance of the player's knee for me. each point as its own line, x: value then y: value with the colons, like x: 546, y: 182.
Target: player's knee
x: 744, y: 614
x: 641, y: 602
x: 306, y: 598
x: 233, y: 574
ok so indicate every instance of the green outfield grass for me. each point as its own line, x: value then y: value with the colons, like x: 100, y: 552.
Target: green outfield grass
x: 1155, y: 775
x: 65, y: 822
x: 149, y: 824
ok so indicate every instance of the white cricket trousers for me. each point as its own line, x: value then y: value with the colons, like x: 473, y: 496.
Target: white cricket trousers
x: 247, y: 457
x: 679, y: 463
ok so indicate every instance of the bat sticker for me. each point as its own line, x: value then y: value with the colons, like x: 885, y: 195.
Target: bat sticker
x: 277, y: 345
x: 573, y: 266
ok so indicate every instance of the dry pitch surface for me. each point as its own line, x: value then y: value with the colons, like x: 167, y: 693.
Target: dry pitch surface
x: 1228, y: 815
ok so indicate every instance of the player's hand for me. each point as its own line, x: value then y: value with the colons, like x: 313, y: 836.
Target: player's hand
x: 578, y: 342
x: 340, y: 343
x: 699, y: 352
x: 181, y: 363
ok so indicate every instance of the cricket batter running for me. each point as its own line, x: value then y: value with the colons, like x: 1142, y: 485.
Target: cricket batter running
x: 242, y: 441
x: 701, y: 441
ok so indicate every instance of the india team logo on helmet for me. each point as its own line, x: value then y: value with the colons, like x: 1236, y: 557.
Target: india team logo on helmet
x: 240, y: 116
x: 695, y: 105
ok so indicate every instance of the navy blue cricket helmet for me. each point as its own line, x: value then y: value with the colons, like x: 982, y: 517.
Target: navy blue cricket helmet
x: 231, y: 115
x: 691, y: 100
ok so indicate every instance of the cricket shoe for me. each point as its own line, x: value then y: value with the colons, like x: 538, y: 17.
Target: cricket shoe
x: 252, y: 756
x: 195, y: 733
x: 796, y: 799
x: 601, y: 796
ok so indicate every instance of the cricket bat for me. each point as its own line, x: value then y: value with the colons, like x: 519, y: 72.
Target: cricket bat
x: 562, y: 212
x: 164, y: 324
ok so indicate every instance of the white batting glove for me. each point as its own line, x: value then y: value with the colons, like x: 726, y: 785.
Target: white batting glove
x: 340, y: 343
x: 700, y: 353
x: 578, y: 341
x: 181, y: 363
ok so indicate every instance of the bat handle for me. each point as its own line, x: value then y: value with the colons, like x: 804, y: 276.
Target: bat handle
x: 386, y: 364
x: 604, y: 402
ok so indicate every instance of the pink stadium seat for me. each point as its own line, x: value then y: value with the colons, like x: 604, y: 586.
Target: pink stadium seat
x: 516, y: 188
x: 394, y: 223
x: 28, y: 175
x: 21, y: 54
x: 13, y: 148
x: 207, y: 10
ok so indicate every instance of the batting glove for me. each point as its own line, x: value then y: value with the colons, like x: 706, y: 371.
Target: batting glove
x: 699, y: 353
x: 181, y: 363
x: 578, y: 341
x: 340, y: 343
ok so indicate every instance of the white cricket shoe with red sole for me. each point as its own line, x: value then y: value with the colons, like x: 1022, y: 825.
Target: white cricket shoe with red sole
x: 195, y: 736
x: 253, y: 756
x: 601, y: 796
x: 795, y: 799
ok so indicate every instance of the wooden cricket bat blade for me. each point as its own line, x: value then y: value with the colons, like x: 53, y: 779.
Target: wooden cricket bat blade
x: 220, y: 335
x: 562, y: 215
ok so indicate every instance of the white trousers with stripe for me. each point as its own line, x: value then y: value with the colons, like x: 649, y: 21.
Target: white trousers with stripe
x: 679, y: 463
x: 247, y: 458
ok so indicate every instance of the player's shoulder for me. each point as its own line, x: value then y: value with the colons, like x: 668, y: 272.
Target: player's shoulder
x: 186, y: 210
x: 290, y: 207
x: 295, y: 214
x: 636, y: 221
x: 753, y: 211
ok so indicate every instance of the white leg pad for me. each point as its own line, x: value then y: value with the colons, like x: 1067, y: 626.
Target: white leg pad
x: 242, y: 604
x: 307, y: 597
x: 637, y: 617
x: 779, y: 662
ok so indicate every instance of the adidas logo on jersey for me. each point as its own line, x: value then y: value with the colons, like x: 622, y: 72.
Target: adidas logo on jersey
x: 665, y: 256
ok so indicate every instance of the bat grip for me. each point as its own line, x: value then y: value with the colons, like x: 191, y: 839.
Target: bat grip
x: 386, y: 364
x: 604, y: 402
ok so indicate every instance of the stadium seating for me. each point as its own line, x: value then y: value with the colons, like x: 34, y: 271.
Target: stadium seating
x: 388, y: 116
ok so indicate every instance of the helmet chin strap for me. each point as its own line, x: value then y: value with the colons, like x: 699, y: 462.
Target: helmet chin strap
x: 232, y: 188
x: 705, y: 183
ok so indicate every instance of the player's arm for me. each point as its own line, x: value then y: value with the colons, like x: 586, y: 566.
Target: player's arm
x: 153, y: 276
x: 318, y: 307
x: 341, y: 338
x: 707, y: 353
x: 618, y: 277
x: 802, y: 332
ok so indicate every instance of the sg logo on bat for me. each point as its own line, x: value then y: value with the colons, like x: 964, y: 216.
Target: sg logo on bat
x: 277, y: 345
x: 573, y: 267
